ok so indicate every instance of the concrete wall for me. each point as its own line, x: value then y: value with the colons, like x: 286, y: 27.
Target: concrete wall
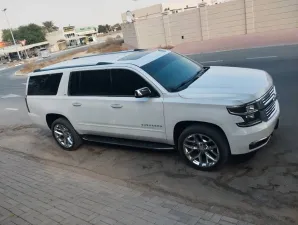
x: 148, y: 12
x: 151, y: 32
x: 223, y: 20
x: 274, y: 14
x: 129, y: 34
x: 237, y: 17
x: 183, y: 27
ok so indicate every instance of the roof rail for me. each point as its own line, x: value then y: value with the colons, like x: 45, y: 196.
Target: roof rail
x: 75, y: 66
x: 110, y: 53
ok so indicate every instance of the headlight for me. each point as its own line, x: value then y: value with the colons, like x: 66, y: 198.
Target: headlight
x: 249, y: 113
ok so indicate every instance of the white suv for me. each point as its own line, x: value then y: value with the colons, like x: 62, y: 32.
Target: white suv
x: 155, y: 99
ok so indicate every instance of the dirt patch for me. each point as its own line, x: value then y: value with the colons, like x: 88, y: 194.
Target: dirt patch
x: 111, y: 45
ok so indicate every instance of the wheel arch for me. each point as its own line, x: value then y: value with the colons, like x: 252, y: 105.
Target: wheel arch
x: 182, y: 125
x: 51, y: 117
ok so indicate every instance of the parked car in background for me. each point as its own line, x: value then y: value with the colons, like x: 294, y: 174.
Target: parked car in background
x: 44, y: 53
x: 155, y: 99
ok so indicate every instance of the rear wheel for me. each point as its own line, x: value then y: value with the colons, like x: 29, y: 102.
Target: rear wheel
x: 203, y: 147
x: 65, y: 135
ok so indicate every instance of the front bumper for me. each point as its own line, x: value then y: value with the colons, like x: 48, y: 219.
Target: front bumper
x: 245, y: 140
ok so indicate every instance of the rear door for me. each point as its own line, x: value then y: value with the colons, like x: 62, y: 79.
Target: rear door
x: 88, y: 101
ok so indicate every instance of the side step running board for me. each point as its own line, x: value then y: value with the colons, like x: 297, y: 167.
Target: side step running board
x: 128, y: 142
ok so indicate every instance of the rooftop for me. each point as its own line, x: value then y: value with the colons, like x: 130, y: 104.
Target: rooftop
x: 136, y: 57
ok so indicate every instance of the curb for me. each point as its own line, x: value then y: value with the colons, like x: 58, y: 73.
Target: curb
x: 19, y: 73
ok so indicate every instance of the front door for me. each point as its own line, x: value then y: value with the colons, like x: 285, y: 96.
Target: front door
x: 140, y: 118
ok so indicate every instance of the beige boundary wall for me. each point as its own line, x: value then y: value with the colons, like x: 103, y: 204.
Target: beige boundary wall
x: 232, y: 18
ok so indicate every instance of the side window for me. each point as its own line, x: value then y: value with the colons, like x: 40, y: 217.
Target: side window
x: 125, y: 82
x: 90, y: 83
x: 44, y: 84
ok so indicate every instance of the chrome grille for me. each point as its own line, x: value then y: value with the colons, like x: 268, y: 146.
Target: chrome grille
x: 269, y: 96
x: 270, y: 110
x: 268, y: 104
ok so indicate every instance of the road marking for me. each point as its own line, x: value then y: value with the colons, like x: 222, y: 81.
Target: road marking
x: 24, y: 83
x: 12, y: 109
x: 263, y: 57
x: 11, y: 96
x: 212, y: 61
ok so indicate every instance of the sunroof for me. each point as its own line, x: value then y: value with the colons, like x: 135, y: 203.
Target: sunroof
x: 135, y: 55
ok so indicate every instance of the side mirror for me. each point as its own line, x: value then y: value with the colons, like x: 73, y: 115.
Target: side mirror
x: 142, y: 92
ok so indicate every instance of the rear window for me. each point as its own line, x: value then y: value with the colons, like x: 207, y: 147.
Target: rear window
x: 90, y: 83
x: 44, y: 84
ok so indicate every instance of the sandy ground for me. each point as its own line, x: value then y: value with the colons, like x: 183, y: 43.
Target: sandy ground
x: 261, y: 189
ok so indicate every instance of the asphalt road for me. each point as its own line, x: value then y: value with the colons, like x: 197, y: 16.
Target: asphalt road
x: 263, y: 188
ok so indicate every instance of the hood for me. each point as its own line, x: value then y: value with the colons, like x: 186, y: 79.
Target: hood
x: 238, y: 85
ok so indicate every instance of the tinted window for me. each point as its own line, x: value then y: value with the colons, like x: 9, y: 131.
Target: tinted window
x: 90, y: 83
x: 44, y: 84
x: 125, y: 82
x: 172, y: 70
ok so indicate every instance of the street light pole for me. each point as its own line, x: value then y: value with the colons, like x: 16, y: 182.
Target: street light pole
x: 4, y: 10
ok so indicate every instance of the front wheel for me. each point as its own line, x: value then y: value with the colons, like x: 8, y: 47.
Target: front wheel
x: 65, y: 135
x: 203, y: 147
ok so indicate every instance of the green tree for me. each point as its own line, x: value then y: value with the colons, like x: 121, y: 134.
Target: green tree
x: 103, y: 28
x: 6, y: 35
x: 32, y: 33
x: 49, y: 26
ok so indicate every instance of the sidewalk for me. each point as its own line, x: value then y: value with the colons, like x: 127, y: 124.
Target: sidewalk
x: 280, y: 37
x: 32, y: 192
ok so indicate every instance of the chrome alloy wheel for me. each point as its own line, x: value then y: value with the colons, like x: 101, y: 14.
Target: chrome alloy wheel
x: 201, y: 150
x: 63, y: 136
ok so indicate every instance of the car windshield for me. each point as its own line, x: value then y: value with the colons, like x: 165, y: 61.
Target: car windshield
x: 172, y: 71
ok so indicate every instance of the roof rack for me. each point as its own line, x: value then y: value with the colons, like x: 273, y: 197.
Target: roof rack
x: 68, y: 67
x: 110, y: 53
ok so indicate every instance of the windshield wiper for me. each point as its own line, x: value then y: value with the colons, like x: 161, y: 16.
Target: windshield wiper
x: 191, y: 80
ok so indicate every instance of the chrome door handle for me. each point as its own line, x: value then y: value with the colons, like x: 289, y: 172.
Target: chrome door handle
x: 116, y: 106
x: 76, y: 104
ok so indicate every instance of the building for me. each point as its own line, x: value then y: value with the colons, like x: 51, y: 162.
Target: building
x: 55, y: 36
x: 164, y: 25
x: 79, y: 36
x: 89, y: 32
x: 71, y: 37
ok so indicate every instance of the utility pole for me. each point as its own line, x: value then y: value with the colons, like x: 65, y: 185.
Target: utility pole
x: 4, y: 10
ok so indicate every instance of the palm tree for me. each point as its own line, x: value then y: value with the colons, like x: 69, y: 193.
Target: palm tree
x: 49, y: 26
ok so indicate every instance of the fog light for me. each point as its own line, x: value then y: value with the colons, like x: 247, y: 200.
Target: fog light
x: 250, y: 116
x: 250, y: 108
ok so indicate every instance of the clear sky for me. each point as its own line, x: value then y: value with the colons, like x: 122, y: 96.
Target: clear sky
x: 73, y: 12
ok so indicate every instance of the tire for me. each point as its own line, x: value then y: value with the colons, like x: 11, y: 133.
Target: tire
x: 69, y: 131
x: 203, y: 140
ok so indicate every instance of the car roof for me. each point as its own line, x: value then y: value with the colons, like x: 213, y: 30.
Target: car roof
x: 136, y: 57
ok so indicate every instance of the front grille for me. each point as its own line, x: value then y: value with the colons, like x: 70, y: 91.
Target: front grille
x: 269, y: 96
x: 268, y: 104
x: 270, y: 110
